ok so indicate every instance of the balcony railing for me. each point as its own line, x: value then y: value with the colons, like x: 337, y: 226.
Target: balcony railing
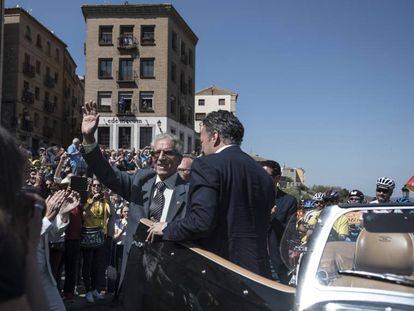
x: 27, y: 97
x: 48, y: 106
x: 48, y: 131
x: 29, y: 70
x: 127, y: 42
x: 49, y: 81
x: 126, y: 77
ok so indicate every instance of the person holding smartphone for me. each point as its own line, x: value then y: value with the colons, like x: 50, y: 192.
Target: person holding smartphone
x: 96, y: 212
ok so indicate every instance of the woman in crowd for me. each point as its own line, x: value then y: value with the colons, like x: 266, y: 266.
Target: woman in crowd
x: 95, y: 218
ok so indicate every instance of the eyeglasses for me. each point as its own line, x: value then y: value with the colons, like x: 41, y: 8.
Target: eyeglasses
x: 166, y: 153
x: 96, y: 185
x: 382, y: 190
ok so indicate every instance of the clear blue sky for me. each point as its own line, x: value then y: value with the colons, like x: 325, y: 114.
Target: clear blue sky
x: 324, y: 85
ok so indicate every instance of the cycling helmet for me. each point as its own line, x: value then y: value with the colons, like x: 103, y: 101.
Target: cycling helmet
x: 385, y: 182
x: 308, y: 204
x: 318, y: 196
x: 356, y: 193
x: 331, y: 196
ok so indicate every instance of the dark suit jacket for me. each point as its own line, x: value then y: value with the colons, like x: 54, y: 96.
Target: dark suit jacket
x: 286, y: 207
x: 230, y: 199
x: 137, y: 189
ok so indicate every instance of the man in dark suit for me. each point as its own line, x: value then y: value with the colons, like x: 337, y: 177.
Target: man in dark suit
x: 285, y: 207
x: 230, y: 199
x: 157, y: 193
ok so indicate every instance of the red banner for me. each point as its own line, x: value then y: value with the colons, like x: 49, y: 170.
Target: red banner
x: 410, y: 184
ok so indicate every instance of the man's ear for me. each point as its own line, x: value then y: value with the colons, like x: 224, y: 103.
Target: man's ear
x: 216, y: 138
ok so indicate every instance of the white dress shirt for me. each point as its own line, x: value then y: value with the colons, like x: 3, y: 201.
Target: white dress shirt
x: 168, y: 191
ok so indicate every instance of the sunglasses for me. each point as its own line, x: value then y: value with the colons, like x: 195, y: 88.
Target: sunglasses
x: 166, y: 153
x: 381, y: 190
x: 96, y: 185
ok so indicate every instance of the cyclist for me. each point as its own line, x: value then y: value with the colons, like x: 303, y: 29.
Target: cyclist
x: 385, y: 187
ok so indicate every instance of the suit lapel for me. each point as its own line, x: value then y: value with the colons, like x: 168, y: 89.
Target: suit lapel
x: 146, y: 194
x: 177, y: 201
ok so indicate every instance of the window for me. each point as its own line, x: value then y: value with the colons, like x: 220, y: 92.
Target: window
x: 146, y: 101
x: 124, y: 102
x: 183, y: 55
x: 173, y: 104
x: 37, y: 93
x: 38, y: 67
x: 57, y: 54
x: 200, y: 116
x: 173, y: 131
x: 222, y: 101
x: 103, y: 136
x: 190, y: 115
x: 26, y: 85
x: 126, y: 38
x: 55, y: 99
x: 27, y: 58
x: 28, y: 33
x: 189, y: 144
x: 173, y: 72
x: 56, y: 77
x: 174, y: 41
x: 104, y: 101
x: 124, y: 137
x: 36, y: 119
x: 190, y: 57
x: 105, y: 35
x: 126, y: 72
x: 147, y: 68
x: 182, y: 137
x: 38, y: 41
x: 190, y: 86
x: 145, y: 136
x: 147, y: 34
x: 48, y: 48
x: 183, y: 85
x: 201, y: 102
x: 105, y: 69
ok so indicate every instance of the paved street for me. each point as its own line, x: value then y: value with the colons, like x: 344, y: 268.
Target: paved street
x: 80, y: 303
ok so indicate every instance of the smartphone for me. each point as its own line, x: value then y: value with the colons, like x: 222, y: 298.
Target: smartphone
x: 80, y: 185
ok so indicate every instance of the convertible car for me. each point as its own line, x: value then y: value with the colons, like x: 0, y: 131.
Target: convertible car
x: 368, y: 268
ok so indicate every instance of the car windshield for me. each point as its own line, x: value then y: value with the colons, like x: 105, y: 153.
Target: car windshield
x: 370, y: 249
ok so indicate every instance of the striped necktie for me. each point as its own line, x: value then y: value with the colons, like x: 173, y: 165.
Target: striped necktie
x: 158, y: 201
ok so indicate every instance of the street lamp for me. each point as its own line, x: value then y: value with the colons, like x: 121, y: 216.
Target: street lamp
x: 405, y: 192
x: 159, y: 126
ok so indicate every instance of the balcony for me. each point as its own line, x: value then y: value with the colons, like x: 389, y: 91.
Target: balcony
x: 29, y: 70
x: 27, y: 97
x: 49, y: 81
x: 127, y: 42
x: 49, y: 107
x: 126, y: 77
x: 48, y: 131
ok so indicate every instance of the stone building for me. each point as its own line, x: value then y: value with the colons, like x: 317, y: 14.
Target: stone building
x: 211, y: 99
x: 36, y: 66
x: 140, y: 69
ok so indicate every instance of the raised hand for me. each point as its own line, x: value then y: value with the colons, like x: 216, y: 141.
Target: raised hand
x: 71, y: 201
x: 53, y: 204
x: 89, y: 122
